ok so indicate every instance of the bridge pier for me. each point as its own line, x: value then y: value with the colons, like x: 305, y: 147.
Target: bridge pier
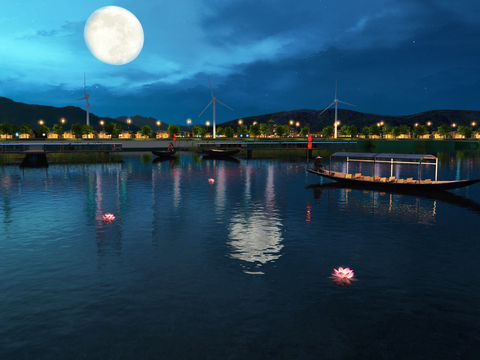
x: 35, y: 160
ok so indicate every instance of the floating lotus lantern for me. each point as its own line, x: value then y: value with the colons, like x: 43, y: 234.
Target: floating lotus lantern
x: 108, y: 218
x: 343, y: 277
x: 211, y: 181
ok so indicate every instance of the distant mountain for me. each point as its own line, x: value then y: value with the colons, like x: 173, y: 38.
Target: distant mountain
x: 20, y: 113
x: 349, y: 117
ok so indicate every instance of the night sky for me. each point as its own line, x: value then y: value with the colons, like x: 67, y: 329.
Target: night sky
x: 390, y: 57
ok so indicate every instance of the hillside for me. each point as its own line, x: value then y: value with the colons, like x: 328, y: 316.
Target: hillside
x: 19, y: 113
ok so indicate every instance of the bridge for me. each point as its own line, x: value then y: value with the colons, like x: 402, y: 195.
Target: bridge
x: 281, y: 145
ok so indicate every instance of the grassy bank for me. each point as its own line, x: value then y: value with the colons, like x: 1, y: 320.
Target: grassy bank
x: 79, y: 158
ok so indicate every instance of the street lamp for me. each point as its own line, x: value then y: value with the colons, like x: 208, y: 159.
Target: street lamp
x: 129, y: 121
x: 297, y: 124
x: 41, y: 122
x: 102, y: 124
x: 189, y: 122
x: 62, y: 121
x: 158, y: 124
x: 207, y: 123
x: 454, y: 126
x: 473, y: 125
x: 429, y: 123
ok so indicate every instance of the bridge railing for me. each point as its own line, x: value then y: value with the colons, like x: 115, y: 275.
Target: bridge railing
x: 280, y: 145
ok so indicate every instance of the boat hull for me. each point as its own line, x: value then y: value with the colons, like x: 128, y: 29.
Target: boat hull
x: 392, y: 186
x: 164, y: 153
x: 220, y: 152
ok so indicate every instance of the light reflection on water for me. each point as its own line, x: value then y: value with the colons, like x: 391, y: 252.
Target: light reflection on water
x: 236, y: 269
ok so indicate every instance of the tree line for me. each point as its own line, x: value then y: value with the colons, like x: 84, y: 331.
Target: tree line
x: 418, y: 130
x: 255, y: 130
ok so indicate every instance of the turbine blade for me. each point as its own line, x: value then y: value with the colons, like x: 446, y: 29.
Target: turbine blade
x: 225, y: 105
x: 84, y: 83
x: 209, y: 83
x: 343, y: 102
x: 326, y: 108
x: 335, y: 88
x: 205, y: 108
x: 81, y: 99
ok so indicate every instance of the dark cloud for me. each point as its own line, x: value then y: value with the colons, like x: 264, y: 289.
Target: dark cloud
x: 391, y: 57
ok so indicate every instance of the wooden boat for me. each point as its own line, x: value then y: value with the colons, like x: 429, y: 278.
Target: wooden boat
x: 220, y: 152
x: 391, y: 183
x: 164, y: 153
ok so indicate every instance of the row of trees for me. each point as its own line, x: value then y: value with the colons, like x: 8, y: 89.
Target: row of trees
x: 114, y: 129
x: 77, y: 129
x: 254, y: 130
x: 419, y: 130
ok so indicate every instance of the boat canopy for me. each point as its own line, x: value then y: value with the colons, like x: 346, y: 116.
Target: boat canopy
x: 389, y: 158
x: 357, y: 155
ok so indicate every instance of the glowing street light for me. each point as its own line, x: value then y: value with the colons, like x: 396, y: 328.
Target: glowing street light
x: 62, y: 121
x: 240, y: 122
x: 41, y: 122
x: 158, y: 124
x: 189, y: 122
x: 429, y: 123
x: 473, y: 125
x: 415, y: 125
x: 454, y: 126
x: 129, y: 121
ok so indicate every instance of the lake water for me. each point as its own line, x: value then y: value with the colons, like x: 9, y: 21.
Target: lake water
x: 238, y: 269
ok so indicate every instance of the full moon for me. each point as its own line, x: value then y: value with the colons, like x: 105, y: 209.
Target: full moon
x: 114, y: 35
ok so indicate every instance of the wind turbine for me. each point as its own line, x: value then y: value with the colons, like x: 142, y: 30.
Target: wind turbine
x: 336, y: 101
x: 86, y: 98
x: 214, y: 99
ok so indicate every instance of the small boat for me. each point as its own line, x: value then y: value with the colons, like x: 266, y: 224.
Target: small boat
x: 391, y: 183
x: 164, y: 153
x: 220, y: 152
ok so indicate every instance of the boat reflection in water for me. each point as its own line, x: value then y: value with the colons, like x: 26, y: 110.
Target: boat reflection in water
x: 255, y: 237
x: 396, y: 206
x: 220, y: 157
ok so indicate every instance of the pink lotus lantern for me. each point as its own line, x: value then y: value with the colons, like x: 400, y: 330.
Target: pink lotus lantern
x: 211, y: 181
x: 108, y: 218
x: 343, y: 277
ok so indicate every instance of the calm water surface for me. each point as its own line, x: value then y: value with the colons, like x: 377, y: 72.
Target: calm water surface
x: 238, y: 269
